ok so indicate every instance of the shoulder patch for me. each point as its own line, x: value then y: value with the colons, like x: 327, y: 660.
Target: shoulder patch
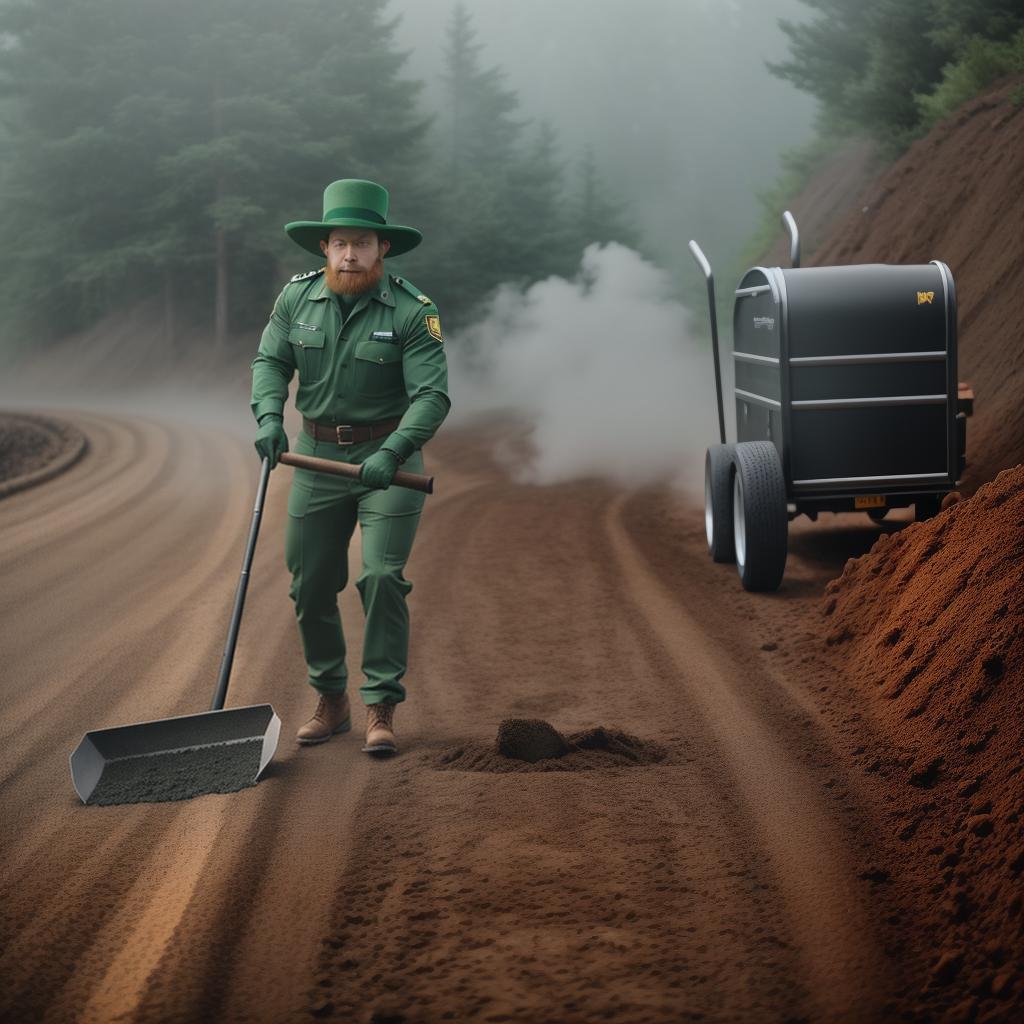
x: 308, y: 274
x: 413, y: 290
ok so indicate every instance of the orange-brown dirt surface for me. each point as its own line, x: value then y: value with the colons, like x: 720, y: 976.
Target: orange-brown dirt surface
x: 718, y: 845
x: 800, y: 806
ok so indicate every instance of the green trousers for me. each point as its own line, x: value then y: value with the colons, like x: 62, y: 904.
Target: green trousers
x: 322, y: 514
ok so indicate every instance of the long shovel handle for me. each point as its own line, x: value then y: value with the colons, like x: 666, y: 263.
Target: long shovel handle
x: 221, y: 692
x: 414, y: 481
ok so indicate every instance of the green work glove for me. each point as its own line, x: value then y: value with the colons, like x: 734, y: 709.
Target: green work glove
x: 379, y: 469
x: 271, y: 440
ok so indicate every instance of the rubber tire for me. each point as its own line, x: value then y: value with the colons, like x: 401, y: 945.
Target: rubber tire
x: 760, y: 519
x: 718, y: 502
x: 927, y: 507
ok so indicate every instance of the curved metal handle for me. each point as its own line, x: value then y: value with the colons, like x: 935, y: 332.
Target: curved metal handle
x: 794, y: 238
x: 702, y: 260
x: 705, y: 266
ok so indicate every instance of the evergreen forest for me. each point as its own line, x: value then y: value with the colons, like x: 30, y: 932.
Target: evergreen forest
x: 891, y: 68
x: 154, y: 151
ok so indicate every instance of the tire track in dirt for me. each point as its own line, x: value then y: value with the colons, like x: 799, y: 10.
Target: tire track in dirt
x: 119, y: 539
x: 248, y: 887
x: 341, y: 886
x: 29, y: 772
x: 816, y: 874
x: 111, y: 475
x: 498, y: 631
x: 164, y: 658
x: 155, y: 633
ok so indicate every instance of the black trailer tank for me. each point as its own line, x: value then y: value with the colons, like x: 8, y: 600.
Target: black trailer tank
x: 846, y: 398
x: 851, y: 371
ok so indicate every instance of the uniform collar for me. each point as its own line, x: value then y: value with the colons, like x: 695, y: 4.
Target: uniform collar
x: 383, y: 293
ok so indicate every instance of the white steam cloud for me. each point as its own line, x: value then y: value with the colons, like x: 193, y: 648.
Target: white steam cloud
x: 604, y: 371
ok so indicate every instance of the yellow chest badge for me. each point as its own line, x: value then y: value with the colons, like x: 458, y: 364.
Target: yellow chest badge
x: 434, y: 326
x: 925, y: 297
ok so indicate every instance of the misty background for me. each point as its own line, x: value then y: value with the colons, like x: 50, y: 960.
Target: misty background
x: 557, y: 156
x: 673, y: 97
x: 166, y: 145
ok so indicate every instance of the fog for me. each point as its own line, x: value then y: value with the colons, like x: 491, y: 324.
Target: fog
x: 685, y: 120
x: 607, y: 367
x: 611, y: 375
x: 604, y: 392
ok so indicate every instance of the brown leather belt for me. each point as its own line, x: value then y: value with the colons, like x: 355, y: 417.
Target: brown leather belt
x: 347, y: 433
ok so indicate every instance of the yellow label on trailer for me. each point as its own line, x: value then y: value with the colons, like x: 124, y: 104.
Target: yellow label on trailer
x: 869, y: 501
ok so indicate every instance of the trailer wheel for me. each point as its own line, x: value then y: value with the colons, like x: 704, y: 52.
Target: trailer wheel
x: 718, y: 502
x: 760, y: 521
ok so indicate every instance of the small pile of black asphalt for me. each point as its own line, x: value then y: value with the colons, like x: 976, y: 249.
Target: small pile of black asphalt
x: 530, y: 739
x: 179, y: 774
x: 533, y: 745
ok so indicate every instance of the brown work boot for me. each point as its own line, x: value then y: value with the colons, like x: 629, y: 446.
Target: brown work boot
x: 380, y: 730
x: 332, y: 715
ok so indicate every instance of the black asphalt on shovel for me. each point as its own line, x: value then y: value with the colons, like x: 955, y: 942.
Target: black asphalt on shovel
x: 217, y: 751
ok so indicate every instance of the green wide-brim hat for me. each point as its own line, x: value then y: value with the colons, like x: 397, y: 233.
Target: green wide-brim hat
x: 353, y: 203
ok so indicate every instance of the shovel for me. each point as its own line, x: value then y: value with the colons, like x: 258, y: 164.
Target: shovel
x: 217, y: 751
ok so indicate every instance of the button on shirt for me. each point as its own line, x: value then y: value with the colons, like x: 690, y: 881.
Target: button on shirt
x: 379, y: 362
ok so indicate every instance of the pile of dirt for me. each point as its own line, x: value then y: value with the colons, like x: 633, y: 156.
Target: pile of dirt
x: 533, y: 745
x: 530, y: 739
x: 35, y: 448
x: 928, y: 627
x: 957, y: 195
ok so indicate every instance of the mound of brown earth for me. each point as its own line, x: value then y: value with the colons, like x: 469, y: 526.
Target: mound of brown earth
x: 957, y: 195
x: 530, y: 739
x: 929, y: 622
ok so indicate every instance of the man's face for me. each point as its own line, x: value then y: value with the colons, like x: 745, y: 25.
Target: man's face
x: 354, y: 259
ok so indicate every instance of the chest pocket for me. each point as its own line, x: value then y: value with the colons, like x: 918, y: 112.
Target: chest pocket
x: 378, y: 368
x: 308, y: 349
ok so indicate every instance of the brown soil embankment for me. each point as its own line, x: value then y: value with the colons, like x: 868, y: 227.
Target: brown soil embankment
x: 957, y: 195
x: 926, y: 630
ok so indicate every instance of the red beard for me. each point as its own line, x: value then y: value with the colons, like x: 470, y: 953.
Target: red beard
x: 348, y: 283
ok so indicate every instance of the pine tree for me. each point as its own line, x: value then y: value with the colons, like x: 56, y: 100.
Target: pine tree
x: 474, y: 221
x: 169, y: 143
x: 597, y: 218
x: 545, y: 239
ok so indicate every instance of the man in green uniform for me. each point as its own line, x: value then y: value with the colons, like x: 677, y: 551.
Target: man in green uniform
x: 373, y: 389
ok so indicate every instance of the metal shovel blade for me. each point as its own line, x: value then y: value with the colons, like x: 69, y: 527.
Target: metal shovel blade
x: 176, y: 758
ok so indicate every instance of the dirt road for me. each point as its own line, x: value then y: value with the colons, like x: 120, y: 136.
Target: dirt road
x: 721, y: 884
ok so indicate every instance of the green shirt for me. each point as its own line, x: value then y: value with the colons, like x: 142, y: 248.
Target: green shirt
x: 384, y: 360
